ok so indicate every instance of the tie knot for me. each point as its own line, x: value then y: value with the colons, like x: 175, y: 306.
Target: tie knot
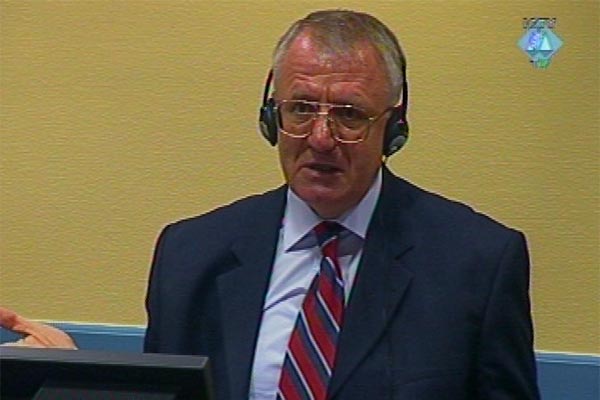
x: 327, y: 231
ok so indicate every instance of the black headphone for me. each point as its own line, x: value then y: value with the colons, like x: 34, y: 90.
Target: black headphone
x: 396, y: 129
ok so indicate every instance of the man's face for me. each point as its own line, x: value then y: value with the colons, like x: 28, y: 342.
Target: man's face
x: 332, y: 177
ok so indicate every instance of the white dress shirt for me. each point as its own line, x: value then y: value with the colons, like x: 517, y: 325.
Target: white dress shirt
x: 296, y: 263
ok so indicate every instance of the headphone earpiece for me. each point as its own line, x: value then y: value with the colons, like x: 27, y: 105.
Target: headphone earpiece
x: 396, y: 131
x: 267, y: 115
x: 267, y: 121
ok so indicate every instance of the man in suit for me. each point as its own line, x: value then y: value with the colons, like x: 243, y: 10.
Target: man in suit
x: 434, y: 296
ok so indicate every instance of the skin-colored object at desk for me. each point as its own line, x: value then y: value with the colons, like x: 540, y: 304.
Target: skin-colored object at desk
x: 35, y: 334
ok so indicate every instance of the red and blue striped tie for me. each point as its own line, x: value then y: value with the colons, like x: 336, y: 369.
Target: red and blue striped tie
x: 310, y: 357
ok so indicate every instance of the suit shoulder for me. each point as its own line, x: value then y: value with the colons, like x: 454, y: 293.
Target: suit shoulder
x: 443, y: 214
x: 230, y: 218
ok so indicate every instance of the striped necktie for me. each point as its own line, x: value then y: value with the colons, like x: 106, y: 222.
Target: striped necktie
x: 310, y: 357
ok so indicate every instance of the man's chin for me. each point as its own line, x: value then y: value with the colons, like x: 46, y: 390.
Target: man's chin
x: 325, y: 201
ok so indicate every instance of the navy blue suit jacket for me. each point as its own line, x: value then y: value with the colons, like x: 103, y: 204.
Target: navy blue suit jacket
x: 439, y: 309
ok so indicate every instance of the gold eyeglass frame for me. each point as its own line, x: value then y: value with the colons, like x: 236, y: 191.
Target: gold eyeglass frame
x: 369, y: 120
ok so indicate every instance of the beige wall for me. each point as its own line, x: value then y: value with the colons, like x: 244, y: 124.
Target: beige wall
x: 118, y: 117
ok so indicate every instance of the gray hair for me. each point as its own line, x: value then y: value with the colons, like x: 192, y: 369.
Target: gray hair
x: 339, y: 31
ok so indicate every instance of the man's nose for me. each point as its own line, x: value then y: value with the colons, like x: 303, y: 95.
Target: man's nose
x: 321, y: 136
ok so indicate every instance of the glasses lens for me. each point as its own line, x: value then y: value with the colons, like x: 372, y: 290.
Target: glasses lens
x: 350, y: 122
x: 296, y: 116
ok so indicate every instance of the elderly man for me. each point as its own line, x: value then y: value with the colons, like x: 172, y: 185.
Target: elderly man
x: 347, y: 282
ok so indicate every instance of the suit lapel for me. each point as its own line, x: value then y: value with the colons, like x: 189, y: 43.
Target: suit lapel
x: 242, y: 290
x: 380, y: 284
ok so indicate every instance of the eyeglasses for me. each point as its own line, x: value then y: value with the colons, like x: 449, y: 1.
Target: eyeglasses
x: 347, y: 123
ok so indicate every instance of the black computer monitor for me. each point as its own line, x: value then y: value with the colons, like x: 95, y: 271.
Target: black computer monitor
x: 44, y: 374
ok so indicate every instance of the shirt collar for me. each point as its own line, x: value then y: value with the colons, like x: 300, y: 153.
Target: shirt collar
x: 299, y: 219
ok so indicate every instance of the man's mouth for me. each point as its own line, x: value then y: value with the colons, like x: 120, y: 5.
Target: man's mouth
x: 323, y: 168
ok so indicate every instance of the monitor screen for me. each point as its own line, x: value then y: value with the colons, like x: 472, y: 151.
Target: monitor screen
x: 43, y: 374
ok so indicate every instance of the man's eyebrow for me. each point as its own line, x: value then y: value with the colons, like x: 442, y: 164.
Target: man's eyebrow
x: 304, y: 96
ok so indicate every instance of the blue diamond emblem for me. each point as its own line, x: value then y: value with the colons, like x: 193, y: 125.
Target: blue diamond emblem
x: 540, y: 44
